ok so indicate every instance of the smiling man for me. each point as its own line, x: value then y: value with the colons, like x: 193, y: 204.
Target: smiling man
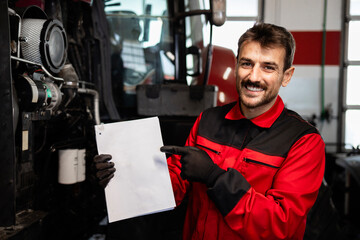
x: 251, y: 169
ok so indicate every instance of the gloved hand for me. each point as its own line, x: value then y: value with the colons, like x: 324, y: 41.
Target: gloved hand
x: 104, y: 169
x: 196, y: 165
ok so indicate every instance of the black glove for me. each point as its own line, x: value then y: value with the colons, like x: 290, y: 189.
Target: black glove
x: 104, y: 169
x: 196, y: 165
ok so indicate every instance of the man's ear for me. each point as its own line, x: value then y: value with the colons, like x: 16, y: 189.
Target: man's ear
x: 287, y: 76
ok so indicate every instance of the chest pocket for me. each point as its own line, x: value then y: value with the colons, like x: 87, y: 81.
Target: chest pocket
x: 259, y: 169
x: 213, y: 150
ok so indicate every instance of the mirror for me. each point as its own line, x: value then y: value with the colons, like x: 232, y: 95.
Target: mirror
x: 218, y: 12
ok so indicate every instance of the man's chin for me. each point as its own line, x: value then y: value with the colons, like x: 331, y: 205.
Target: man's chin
x: 251, y: 103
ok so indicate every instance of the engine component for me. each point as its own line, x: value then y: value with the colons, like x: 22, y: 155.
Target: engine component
x: 44, y: 42
x: 54, y: 96
x: 71, y: 166
x: 71, y: 83
x: 35, y: 95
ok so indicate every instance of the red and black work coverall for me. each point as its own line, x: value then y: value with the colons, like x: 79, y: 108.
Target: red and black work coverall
x: 274, y: 167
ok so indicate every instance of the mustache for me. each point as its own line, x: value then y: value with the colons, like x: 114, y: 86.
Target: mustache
x: 249, y: 83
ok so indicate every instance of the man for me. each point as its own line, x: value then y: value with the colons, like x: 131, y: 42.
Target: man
x: 251, y: 169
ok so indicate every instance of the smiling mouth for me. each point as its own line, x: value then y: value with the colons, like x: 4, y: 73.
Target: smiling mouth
x: 254, y: 89
x: 253, y: 86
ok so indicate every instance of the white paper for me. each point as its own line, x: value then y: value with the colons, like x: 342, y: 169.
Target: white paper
x: 141, y: 184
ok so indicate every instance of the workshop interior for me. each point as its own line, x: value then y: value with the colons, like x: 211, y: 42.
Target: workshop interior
x: 69, y: 65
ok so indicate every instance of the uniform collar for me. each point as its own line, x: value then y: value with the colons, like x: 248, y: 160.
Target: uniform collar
x: 264, y: 120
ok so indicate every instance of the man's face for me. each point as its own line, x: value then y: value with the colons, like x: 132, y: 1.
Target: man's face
x: 259, y: 75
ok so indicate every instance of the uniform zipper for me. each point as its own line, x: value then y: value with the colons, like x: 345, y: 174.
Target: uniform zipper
x: 212, y: 150
x: 260, y: 163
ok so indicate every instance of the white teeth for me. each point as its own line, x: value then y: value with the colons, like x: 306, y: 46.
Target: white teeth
x: 254, y: 89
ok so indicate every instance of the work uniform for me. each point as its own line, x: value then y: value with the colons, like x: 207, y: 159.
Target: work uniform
x: 274, y: 167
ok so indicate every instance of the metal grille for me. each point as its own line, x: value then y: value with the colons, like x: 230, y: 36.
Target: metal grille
x: 30, y: 35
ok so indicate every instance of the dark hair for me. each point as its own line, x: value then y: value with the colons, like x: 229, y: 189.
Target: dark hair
x: 269, y: 35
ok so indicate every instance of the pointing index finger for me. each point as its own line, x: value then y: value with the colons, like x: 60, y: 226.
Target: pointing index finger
x: 102, y: 158
x: 174, y: 150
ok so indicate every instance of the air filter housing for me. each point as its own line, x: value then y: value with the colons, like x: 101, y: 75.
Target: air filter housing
x: 44, y: 42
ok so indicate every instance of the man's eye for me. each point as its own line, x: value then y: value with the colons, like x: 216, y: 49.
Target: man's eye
x: 270, y: 68
x: 245, y: 64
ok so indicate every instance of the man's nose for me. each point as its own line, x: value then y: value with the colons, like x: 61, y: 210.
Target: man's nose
x: 255, y: 74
